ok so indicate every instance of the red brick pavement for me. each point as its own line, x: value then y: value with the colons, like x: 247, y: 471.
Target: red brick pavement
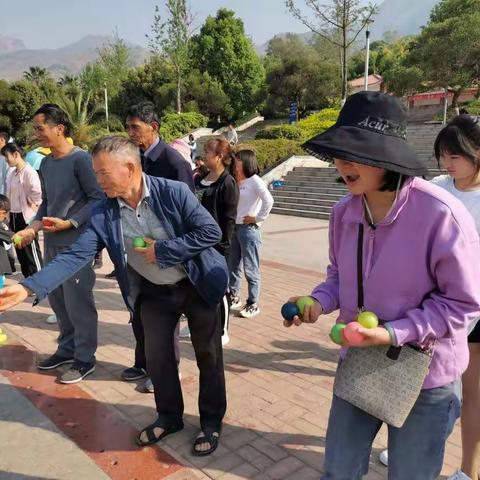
x: 279, y: 384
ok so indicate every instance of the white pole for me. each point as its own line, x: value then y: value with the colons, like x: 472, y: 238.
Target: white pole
x: 106, y: 105
x: 445, y: 107
x: 367, y: 58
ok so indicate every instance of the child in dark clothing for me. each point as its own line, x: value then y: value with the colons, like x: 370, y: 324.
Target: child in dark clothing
x: 5, y: 239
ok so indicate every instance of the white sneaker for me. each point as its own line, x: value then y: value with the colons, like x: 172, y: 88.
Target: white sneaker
x: 51, y: 319
x: 184, y: 332
x: 234, y: 301
x: 383, y: 457
x: 250, y: 310
x: 459, y: 475
x: 225, y: 339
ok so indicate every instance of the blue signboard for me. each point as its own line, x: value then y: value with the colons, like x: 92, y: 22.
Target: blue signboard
x: 292, y: 118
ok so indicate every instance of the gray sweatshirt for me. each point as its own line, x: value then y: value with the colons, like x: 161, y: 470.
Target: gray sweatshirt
x: 69, y: 190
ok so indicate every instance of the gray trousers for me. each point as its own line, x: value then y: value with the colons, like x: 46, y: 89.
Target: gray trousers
x: 74, y: 306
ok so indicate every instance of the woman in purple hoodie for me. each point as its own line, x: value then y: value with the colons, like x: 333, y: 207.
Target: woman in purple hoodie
x: 420, y: 276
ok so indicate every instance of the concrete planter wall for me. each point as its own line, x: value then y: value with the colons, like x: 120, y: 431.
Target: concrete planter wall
x: 241, y: 127
x: 199, y: 132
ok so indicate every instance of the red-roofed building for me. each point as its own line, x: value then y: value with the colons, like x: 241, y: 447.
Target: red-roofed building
x: 375, y: 84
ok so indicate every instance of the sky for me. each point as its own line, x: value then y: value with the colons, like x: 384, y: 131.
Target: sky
x: 56, y: 23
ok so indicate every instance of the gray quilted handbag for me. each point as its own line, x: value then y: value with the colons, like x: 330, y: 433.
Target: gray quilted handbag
x: 384, y: 381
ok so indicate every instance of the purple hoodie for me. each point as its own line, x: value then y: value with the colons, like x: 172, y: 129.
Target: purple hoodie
x: 421, y: 272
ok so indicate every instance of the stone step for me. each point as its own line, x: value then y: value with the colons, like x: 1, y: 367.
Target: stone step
x: 316, y: 172
x: 302, y: 175
x: 312, y: 189
x: 295, y: 212
x: 311, y: 195
x: 319, y: 201
x: 312, y: 181
x: 305, y: 207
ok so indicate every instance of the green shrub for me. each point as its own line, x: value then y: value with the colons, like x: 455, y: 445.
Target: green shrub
x: 175, y: 125
x: 318, y: 122
x: 269, y: 152
x: 473, y: 107
x: 115, y: 124
x: 290, y: 132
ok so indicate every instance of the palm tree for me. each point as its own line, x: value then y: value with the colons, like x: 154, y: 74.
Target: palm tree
x: 68, y: 80
x: 36, y: 75
x: 70, y: 84
x: 78, y: 103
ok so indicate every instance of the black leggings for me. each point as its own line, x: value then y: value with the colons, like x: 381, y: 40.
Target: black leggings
x: 30, y: 257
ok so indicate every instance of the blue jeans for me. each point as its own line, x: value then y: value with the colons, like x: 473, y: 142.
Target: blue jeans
x: 415, y: 451
x: 245, y: 248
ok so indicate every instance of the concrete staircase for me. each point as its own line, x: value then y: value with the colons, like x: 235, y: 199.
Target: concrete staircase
x: 308, y: 192
x: 422, y: 138
x: 311, y: 192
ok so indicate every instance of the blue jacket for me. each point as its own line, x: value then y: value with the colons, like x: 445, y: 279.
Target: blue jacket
x: 192, y: 233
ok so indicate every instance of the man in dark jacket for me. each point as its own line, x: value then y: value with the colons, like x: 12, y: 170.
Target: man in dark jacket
x: 178, y: 271
x: 158, y: 160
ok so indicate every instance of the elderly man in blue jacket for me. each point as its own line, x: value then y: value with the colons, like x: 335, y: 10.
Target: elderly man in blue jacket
x: 178, y: 271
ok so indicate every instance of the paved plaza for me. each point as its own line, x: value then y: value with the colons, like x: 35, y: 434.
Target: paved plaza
x: 279, y: 384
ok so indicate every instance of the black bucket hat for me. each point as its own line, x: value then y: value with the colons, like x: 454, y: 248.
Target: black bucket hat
x: 371, y: 129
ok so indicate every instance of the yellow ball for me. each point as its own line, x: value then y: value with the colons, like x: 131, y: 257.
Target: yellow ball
x: 3, y: 338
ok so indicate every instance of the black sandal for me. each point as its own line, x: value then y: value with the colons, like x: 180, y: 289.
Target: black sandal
x: 151, y: 435
x: 206, y: 437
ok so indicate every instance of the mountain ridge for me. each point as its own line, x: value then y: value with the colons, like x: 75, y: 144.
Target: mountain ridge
x: 69, y: 59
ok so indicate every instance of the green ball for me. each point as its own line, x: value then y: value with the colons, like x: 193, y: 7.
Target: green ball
x: 17, y: 240
x: 139, y: 242
x: 303, y: 301
x: 336, y: 333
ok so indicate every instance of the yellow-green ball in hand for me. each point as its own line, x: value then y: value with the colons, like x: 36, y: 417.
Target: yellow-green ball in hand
x: 3, y: 338
x: 367, y: 320
x: 17, y: 240
x: 302, y: 302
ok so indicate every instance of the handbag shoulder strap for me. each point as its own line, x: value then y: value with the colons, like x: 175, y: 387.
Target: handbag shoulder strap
x: 393, y: 352
x: 360, y: 267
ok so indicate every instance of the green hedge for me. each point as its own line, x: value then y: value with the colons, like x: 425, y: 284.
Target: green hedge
x: 175, y: 125
x: 304, y: 129
x: 318, y: 122
x: 290, y: 132
x: 269, y: 152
